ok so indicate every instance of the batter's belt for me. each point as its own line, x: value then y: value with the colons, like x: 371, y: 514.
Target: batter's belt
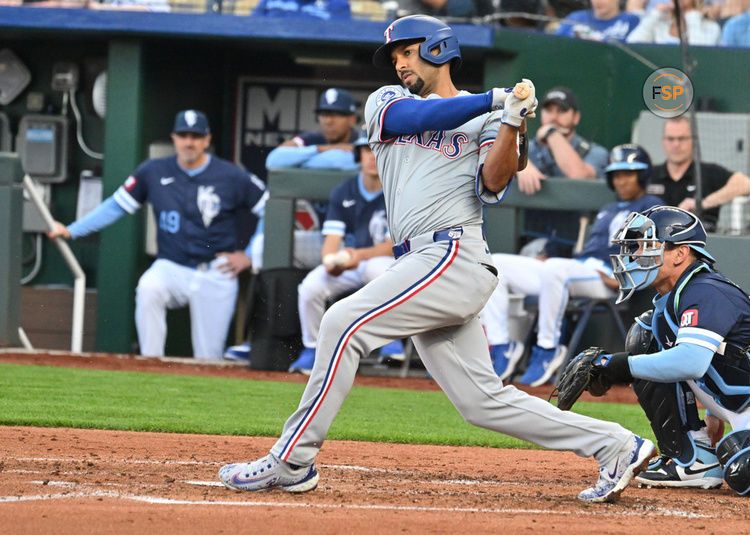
x: 449, y: 234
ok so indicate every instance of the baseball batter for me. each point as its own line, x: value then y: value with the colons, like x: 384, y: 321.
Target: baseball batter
x: 195, y: 198
x: 440, y: 153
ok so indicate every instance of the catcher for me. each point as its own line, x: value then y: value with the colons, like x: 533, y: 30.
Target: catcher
x: 694, y: 345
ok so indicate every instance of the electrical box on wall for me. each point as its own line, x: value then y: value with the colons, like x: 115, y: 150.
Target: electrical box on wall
x: 42, y: 143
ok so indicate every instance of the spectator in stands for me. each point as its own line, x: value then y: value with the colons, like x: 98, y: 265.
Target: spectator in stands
x: 131, y: 5
x: 532, y: 7
x: 195, y: 197
x: 659, y: 26
x: 736, y: 31
x: 555, y: 280
x: 106, y: 5
x: 317, y: 9
x: 674, y: 180
x: 329, y: 148
x: 718, y: 10
x: 445, y: 8
x: 355, y: 224
x: 604, y: 21
x: 557, y: 150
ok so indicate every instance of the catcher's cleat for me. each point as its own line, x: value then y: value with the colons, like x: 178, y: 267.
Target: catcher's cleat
x: 704, y: 473
x: 615, y: 475
x: 269, y: 473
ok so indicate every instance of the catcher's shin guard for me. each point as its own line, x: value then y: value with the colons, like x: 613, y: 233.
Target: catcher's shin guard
x: 733, y: 452
x: 671, y: 410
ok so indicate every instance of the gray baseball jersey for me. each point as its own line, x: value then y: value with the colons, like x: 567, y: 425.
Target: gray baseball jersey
x: 433, y: 294
x: 432, y: 189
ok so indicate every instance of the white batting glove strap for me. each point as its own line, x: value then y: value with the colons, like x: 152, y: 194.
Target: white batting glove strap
x: 499, y: 94
x: 517, y: 109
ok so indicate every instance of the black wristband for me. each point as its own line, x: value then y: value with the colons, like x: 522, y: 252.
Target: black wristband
x: 550, y: 131
x: 617, y: 370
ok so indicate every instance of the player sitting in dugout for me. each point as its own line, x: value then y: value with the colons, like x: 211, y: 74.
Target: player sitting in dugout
x: 555, y: 280
x: 693, y: 345
x: 355, y: 220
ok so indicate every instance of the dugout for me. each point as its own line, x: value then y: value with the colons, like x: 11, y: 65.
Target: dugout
x: 158, y: 63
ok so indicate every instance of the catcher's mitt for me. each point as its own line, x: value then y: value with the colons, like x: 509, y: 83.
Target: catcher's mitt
x: 582, y: 373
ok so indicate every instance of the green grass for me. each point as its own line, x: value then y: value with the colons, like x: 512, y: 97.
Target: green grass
x: 65, y: 397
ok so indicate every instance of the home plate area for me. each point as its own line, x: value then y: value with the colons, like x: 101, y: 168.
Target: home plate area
x: 91, y: 481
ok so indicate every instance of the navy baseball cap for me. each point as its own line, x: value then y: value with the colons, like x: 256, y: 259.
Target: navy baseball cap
x: 336, y: 100
x: 563, y: 97
x: 191, y: 121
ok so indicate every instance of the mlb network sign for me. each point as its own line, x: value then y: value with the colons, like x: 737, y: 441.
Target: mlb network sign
x: 270, y: 112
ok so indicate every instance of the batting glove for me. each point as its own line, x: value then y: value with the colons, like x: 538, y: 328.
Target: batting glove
x: 499, y: 94
x: 516, y: 109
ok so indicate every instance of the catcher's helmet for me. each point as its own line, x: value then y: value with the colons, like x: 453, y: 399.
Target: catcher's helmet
x: 641, y: 239
x: 629, y: 157
x: 433, y: 33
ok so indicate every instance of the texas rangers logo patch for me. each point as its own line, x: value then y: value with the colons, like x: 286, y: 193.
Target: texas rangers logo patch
x: 386, y: 94
x: 689, y: 318
x: 387, y: 33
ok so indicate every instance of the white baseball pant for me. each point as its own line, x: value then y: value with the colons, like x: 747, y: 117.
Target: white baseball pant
x: 554, y: 280
x: 318, y: 286
x: 210, y: 294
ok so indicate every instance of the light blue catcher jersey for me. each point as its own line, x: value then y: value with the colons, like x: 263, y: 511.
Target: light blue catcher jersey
x: 430, y: 178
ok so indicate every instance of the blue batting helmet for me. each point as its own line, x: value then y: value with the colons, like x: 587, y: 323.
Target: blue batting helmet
x: 642, y: 239
x: 433, y: 33
x: 629, y: 157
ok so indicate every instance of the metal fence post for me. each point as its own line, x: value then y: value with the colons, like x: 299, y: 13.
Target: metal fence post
x: 11, y: 217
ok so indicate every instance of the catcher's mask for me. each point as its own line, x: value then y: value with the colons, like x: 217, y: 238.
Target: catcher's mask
x: 642, y: 239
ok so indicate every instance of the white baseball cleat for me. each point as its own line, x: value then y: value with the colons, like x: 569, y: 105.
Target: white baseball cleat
x: 269, y: 473
x: 704, y: 473
x: 616, y: 474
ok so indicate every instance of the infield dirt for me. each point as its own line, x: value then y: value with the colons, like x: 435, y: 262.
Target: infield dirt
x: 90, y: 481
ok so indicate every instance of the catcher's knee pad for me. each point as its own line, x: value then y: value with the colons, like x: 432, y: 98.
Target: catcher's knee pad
x: 733, y: 452
x: 672, y: 412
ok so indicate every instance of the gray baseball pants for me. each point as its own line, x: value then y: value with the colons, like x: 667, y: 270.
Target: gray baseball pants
x: 434, y: 294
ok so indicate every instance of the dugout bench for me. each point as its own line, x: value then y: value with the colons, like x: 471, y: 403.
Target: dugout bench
x: 503, y: 228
